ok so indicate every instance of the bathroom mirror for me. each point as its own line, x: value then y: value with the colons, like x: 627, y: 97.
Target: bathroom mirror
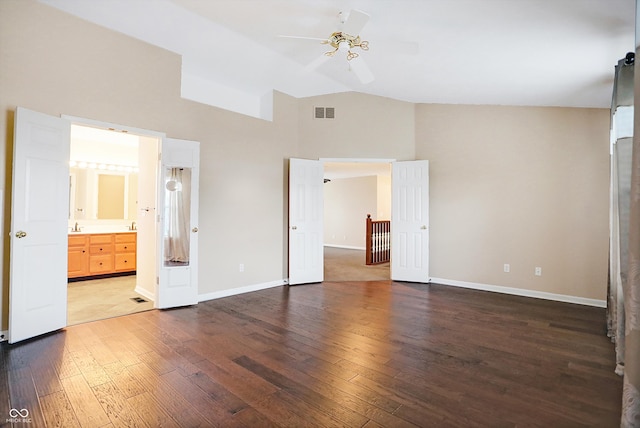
x: 102, y: 195
x: 177, y: 212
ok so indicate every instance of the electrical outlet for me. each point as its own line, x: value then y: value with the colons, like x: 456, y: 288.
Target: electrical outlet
x: 241, y: 267
x: 507, y: 268
x: 538, y: 271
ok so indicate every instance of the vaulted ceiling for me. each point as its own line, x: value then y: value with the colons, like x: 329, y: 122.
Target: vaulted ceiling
x: 506, y: 52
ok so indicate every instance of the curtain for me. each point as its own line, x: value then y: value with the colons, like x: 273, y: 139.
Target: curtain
x: 631, y: 382
x: 623, y: 300
x: 177, y: 208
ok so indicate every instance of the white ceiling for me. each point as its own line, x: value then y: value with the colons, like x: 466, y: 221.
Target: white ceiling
x: 508, y: 52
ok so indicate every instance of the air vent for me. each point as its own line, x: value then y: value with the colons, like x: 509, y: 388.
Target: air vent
x: 324, y: 112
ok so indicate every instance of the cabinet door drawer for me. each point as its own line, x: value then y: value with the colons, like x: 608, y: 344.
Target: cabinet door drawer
x: 101, y: 239
x: 126, y: 237
x: 125, y: 262
x: 77, y: 262
x: 100, y: 249
x: 77, y: 240
x: 100, y: 264
x: 127, y: 247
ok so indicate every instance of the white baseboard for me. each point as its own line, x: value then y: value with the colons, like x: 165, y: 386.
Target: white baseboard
x: 346, y: 247
x: 145, y: 293
x: 522, y: 292
x: 241, y: 290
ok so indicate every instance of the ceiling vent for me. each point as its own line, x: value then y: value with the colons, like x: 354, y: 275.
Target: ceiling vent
x: 324, y: 112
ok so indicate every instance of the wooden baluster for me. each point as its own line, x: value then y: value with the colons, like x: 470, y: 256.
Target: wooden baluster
x: 368, y: 240
x: 378, y: 241
x: 376, y: 234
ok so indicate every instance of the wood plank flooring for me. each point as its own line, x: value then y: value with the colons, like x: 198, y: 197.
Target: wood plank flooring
x: 354, y: 354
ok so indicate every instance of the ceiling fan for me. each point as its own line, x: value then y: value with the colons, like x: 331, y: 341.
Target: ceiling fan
x: 343, y: 42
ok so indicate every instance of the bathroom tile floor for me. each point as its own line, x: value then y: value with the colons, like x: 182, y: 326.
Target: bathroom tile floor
x: 99, y: 299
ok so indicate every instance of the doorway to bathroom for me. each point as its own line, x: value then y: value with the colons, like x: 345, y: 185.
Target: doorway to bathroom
x: 109, y: 170
x: 39, y: 213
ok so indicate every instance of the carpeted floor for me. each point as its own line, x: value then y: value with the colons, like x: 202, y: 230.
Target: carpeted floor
x: 349, y: 265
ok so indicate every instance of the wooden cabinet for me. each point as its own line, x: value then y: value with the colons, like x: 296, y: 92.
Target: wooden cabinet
x: 101, y: 254
x: 125, y: 259
x: 101, y: 250
x: 78, y: 256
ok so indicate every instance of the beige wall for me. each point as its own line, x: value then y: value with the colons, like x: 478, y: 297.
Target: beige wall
x: 384, y: 198
x: 347, y: 201
x: 365, y: 126
x: 519, y: 185
x: 525, y: 186
x: 57, y: 64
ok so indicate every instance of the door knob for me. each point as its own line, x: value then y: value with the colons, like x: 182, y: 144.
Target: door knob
x: 294, y: 227
x: 21, y: 234
x: 194, y: 230
x: 423, y: 227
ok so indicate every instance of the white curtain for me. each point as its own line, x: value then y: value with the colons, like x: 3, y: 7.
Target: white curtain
x: 177, y: 212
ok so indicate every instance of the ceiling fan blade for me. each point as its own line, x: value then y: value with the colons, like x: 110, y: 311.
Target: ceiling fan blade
x: 361, y: 70
x: 317, y: 62
x: 303, y: 37
x: 355, y: 22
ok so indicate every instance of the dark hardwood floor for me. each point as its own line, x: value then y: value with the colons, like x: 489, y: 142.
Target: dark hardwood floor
x: 354, y: 354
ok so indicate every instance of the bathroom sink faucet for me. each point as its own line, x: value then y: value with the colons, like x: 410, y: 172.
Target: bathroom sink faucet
x: 76, y: 228
x: 133, y: 226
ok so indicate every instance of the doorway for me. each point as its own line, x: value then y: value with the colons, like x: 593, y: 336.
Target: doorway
x: 104, y: 215
x: 353, y: 189
x: 409, y: 233
x: 39, y: 239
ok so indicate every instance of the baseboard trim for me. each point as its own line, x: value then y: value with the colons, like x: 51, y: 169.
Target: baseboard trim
x: 4, y: 335
x: 346, y: 247
x: 145, y: 293
x: 241, y: 290
x: 522, y: 292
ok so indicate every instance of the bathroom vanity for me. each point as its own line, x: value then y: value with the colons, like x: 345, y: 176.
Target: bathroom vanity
x: 97, y: 254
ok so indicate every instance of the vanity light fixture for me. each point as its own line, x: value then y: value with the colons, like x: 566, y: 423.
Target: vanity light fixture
x: 102, y: 166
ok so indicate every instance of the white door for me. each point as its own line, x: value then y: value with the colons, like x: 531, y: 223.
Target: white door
x: 146, y: 219
x: 306, y: 257
x: 410, y: 221
x: 39, y: 214
x: 178, y: 224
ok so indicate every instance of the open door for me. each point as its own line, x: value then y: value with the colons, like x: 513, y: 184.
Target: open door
x: 38, y: 237
x: 178, y: 224
x: 410, y: 221
x: 306, y: 257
